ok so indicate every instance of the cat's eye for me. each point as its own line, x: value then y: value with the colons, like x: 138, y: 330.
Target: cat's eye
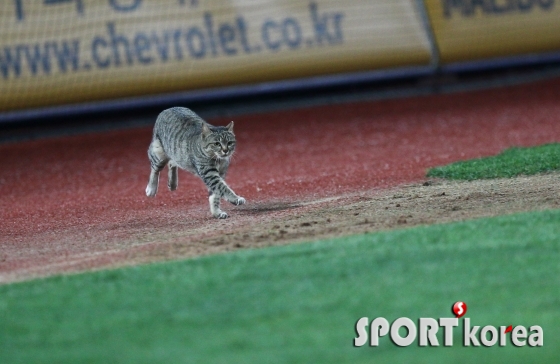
x: 217, y: 144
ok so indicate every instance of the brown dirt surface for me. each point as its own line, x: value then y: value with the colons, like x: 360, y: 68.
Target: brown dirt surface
x: 77, y: 203
x: 278, y: 223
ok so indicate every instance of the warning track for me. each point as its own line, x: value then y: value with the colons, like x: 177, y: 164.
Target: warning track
x: 76, y: 203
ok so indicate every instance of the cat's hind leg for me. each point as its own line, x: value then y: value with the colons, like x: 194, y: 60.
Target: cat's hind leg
x: 158, y: 160
x: 215, y: 206
x: 172, y: 176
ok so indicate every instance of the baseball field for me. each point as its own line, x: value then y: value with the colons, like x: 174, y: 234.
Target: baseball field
x: 374, y: 208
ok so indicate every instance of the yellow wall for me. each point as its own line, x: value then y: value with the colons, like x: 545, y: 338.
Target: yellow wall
x: 122, y: 48
x: 478, y: 29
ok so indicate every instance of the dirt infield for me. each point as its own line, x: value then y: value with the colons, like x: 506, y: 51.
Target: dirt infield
x: 78, y: 203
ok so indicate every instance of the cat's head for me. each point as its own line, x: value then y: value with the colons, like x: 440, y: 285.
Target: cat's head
x: 218, y: 142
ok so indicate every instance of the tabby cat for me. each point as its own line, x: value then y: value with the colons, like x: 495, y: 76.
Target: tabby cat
x: 183, y: 139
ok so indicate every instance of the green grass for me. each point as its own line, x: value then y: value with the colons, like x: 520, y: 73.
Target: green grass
x: 510, y: 163
x: 299, y: 303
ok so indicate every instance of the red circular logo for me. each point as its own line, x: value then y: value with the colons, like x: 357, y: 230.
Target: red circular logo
x: 459, y: 309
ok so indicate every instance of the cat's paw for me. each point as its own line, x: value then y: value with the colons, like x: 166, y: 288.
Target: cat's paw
x: 221, y: 215
x: 172, y: 186
x: 151, y: 191
x: 238, y: 201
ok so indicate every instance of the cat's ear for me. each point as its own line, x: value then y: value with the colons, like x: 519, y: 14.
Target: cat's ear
x: 230, y: 127
x: 205, y: 130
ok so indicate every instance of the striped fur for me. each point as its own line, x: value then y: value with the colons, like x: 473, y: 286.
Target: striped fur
x: 182, y: 139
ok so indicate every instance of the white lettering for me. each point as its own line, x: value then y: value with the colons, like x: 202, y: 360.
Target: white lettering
x: 484, y: 338
x: 535, y: 338
x: 361, y: 326
x: 518, y: 336
x: 411, y: 335
x: 428, y: 331
x: 448, y: 324
x: 379, y: 327
x: 470, y: 335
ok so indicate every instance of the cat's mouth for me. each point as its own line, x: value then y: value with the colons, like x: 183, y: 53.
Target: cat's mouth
x: 222, y: 155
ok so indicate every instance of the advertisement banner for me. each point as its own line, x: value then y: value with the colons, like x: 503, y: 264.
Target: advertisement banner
x: 56, y: 52
x: 467, y: 30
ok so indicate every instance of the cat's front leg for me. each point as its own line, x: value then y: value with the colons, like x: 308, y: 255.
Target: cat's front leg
x: 227, y: 194
x: 215, y: 207
x: 223, y: 191
x: 219, y: 189
x: 237, y: 200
